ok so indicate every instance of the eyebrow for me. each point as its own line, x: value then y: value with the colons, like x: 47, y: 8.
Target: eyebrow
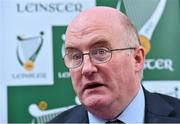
x: 100, y: 42
x: 95, y: 42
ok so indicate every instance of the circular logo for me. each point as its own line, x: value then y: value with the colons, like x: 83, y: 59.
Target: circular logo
x: 43, y: 105
x: 29, y: 65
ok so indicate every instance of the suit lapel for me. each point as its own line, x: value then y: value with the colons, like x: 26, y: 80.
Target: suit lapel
x: 157, y: 109
x: 78, y: 115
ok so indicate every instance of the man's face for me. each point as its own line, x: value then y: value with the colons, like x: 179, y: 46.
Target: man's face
x: 111, y: 84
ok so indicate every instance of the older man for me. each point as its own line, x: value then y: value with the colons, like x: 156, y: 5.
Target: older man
x: 105, y: 60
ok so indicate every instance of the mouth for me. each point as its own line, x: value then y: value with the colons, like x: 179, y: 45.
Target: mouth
x: 93, y: 85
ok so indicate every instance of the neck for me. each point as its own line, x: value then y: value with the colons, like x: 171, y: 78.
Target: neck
x: 111, y: 111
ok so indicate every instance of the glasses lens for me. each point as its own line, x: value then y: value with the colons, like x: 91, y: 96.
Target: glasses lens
x: 100, y: 55
x: 73, y: 58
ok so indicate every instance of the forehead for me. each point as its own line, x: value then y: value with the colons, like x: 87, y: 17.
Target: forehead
x: 92, y: 35
x: 91, y: 29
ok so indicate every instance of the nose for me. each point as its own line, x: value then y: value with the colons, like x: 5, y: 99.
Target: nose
x: 88, y: 68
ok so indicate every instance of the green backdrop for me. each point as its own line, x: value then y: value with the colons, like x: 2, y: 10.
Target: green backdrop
x: 165, y: 44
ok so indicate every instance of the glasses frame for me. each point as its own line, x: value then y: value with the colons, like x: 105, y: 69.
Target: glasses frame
x: 88, y: 53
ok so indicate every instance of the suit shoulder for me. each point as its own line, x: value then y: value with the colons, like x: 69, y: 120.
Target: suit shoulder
x: 161, y: 104
x: 71, y: 115
x: 175, y: 102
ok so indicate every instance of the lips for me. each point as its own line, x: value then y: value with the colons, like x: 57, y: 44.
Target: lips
x: 92, y: 85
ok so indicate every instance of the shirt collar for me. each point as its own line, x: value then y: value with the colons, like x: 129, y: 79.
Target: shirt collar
x: 132, y: 114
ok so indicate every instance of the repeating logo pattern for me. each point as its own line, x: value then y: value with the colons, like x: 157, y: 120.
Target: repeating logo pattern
x: 28, y: 51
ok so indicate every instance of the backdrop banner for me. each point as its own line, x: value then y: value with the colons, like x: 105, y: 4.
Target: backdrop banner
x: 35, y: 85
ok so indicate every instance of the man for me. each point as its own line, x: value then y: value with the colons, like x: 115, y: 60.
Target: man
x: 105, y: 60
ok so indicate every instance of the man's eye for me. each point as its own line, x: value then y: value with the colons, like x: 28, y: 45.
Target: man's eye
x: 76, y: 56
x: 99, y: 52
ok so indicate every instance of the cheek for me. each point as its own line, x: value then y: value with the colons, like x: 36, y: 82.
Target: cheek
x: 122, y: 72
x: 75, y: 77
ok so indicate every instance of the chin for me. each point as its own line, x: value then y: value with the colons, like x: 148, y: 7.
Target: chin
x: 95, y: 102
x: 99, y: 107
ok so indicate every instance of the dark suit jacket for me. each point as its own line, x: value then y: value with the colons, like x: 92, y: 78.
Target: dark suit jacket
x: 158, y: 109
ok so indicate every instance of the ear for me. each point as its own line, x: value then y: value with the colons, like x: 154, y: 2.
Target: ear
x: 139, y: 57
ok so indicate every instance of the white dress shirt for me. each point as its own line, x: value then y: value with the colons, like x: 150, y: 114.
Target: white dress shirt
x: 134, y: 113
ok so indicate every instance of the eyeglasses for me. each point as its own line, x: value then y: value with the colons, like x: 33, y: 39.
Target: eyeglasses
x: 74, y: 57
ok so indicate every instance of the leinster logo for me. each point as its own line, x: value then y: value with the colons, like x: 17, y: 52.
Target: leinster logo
x: 147, y: 21
x: 27, y: 50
